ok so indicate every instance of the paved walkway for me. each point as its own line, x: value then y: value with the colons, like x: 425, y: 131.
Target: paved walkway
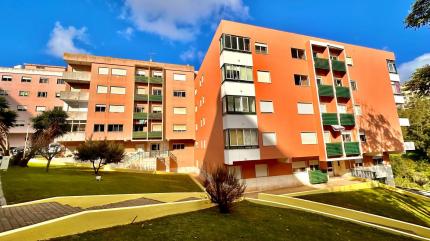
x: 20, y: 216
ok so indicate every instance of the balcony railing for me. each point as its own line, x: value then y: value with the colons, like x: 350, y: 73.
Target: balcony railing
x: 321, y: 64
x: 144, y: 116
x: 330, y: 119
x: 145, y: 135
x: 334, y: 149
x: 70, y: 96
x: 342, y: 92
x: 352, y: 148
x: 339, y: 66
x: 325, y: 91
x: 146, y: 79
x: 156, y: 98
x: 347, y: 119
x: 77, y: 77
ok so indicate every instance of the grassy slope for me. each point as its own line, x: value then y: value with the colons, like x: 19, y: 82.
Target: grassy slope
x: 381, y: 202
x: 26, y: 184
x: 248, y: 222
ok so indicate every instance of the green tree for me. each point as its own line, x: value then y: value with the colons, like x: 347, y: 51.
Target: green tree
x: 419, y: 15
x: 418, y: 113
x: 7, y: 120
x: 419, y: 82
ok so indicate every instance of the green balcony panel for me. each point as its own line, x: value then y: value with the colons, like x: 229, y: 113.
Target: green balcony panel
x: 157, y: 98
x: 149, y: 135
x: 352, y: 148
x: 146, y: 79
x: 321, y: 63
x: 339, y: 66
x: 144, y: 116
x: 342, y: 92
x: 347, y: 119
x: 325, y: 91
x: 317, y: 176
x: 333, y: 149
x: 330, y: 119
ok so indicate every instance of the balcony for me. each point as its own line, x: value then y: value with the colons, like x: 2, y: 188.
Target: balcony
x: 352, y: 148
x: 75, y: 115
x: 147, y: 135
x: 155, y: 98
x: 144, y: 116
x: 70, y: 96
x: 325, y: 91
x: 321, y: 64
x: 77, y: 77
x: 71, y: 136
x: 146, y: 79
x: 338, y: 66
x: 347, y: 119
x: 330, y: 119
x: 342, y: 92
x: 333, y: 149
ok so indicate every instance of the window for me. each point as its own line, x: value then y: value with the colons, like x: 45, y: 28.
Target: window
x: 99, y: 127
x: 157, y: 109
x: 269, y: 138
x: 261, y: 170
x: 157, y: 74
x: 323, y: 108
x: 116, y: 108
x: 179, y: 77
x: 43, y: 80
x: 353, y: 84
x: 264, y: 77
x: 103, y: 71
x: 301, y: 80
x: 77, y: 125
x: 156, y: 91
x: 26, y: 79
x: 348, y: 61
x: 314, y: 165
x: 58, y: 108
x: 346, y: 136
x: 21, y: 107
x: 141, y: 91
x: 40, y: 108
x: 101, y: 89
x: 60, y: 82
x: 117, y: 90
x: 179, y: 128
x: 338, y: 82
x: 179, y: 110
x: 298, y: 53
x: 391, y: 66
x: 319, y: 80
x: 232, y: 72
x: 357, y: 110
x: 119, y: 72
x: 341, y: 108
x: 115, y: 128
x: 57, y: 94
x: 309, y: 138
x: 332, y: 57
x: 178, y: 146
x: 3, y: 93
x: 266, y: 106
x: 261, y: 48
x: 241, y: 138
x: 6, y: 78
x: 179, y: 93
x: 19, y: 123
x: 235, y: 43
x: 42, y: 94
x: 327, y: 137
x: 298, y: 166
x: 363, y: 136
x: 238, y: 104
x: 100, y: 108
x: 139, y: 109
x: 24, y: 93
x: 396, y: 87
x: 305, y: 108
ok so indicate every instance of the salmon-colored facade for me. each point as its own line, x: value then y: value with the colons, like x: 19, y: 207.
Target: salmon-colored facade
x: 273, y: 105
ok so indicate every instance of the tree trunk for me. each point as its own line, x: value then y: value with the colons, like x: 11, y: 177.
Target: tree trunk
x: 48, y: 163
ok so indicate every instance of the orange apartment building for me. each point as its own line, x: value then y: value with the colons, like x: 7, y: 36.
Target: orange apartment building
x: 273, y: 105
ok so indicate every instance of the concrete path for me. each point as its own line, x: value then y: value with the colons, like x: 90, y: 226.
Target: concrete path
x: 20, y: 216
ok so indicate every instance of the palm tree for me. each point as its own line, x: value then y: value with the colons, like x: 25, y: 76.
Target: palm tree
x: 7, y: 120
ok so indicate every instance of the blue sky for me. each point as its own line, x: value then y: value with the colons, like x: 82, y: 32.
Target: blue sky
x: 179, y: 31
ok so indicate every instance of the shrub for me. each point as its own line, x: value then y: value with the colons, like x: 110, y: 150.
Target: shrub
x: 223, y: 187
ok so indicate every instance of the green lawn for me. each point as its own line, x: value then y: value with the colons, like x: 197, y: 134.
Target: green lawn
x: 26, y: 184
x: 248, y: 222
x: 381, y: 202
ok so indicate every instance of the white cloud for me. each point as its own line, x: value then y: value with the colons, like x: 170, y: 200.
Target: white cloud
x: 406, y: 69
x: 64, y: 40
x: 180, y: 19
x: 191, y: 54
x: 126, y: 33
